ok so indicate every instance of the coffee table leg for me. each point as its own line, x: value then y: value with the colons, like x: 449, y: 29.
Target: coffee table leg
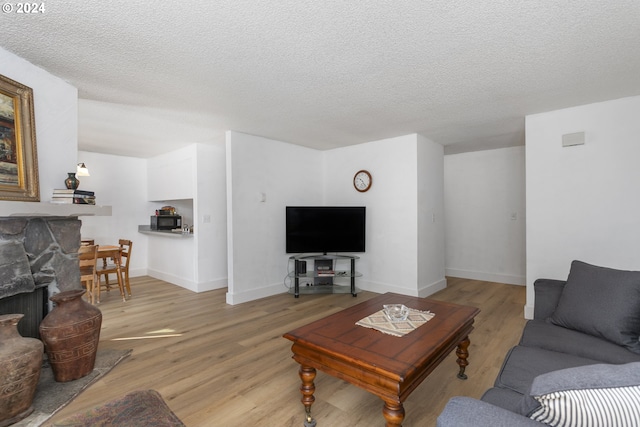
x: 307, y: 375
x: 463, y: 354
x: 393, y: 412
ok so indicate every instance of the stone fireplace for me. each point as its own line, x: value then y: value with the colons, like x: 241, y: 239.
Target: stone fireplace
x: 38, y: 257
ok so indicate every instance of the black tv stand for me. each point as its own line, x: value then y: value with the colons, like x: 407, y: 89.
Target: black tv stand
x: 325, y: 275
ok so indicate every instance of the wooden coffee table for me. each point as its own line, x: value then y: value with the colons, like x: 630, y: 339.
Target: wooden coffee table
x: 389, y: 367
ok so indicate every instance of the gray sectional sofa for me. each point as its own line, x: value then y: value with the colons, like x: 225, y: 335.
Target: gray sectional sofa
x: 577, y: 362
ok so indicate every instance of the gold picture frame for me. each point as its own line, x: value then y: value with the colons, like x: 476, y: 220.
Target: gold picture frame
x: 18, y: 156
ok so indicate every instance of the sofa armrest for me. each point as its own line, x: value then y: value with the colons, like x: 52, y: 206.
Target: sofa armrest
x: 468, y: 412
x: 547, y: 295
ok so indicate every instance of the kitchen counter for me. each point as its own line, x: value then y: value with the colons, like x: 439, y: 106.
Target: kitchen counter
x: 146, y: 229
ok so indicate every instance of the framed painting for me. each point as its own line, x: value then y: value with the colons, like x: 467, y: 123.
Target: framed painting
x: 18, y: 157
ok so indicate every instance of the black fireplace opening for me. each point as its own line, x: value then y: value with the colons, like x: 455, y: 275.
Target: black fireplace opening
x: 34, y: 305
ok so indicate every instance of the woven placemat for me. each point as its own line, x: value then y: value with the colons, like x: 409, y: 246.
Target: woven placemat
x: 380, y: 322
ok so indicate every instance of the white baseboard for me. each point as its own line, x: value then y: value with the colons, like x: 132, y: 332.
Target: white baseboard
x: 213, y: 284
x: 183, y: 283
x: 137, y: 272
x: 487, y: 277
x: 381, y: 288
x: 432, y: 288
x: 528, y: 312
x: 176, y: 280
x: 422, y: 292
x: 254, y: 294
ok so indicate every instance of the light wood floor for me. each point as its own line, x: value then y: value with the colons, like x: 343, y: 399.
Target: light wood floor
x: 228, y: 366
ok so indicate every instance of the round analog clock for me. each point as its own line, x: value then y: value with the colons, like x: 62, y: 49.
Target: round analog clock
x: 362, y: 181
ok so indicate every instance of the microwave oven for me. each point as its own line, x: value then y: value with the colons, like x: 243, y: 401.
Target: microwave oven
x: 166, y: 222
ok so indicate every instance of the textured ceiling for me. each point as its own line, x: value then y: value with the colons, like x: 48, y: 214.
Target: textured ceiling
x: 156, y: 75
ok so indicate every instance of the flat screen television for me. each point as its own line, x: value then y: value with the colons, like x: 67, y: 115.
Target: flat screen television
x: 325, y: 229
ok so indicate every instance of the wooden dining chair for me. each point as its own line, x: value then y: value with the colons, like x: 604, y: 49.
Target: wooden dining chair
x: 111, y: 268
x: 87, y: 256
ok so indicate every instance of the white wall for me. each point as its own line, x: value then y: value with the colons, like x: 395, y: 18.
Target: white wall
x: 281, y: 174
x: 287, y: 174
x: 119, y: 182
x: 171, y: 181
x: 210, y: 217
x: 56, y: 120
x: 193, y: 180
x: 582, y: 201
x: 485, y: 215
x: 392, y: 262
x: 431, y: 219
x: 198, y: 262
x: 389, y: 263
x: 173, y: 175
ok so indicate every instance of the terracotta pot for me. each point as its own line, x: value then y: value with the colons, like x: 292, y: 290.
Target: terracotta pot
x: 70, y: 334
x: 21, y: 361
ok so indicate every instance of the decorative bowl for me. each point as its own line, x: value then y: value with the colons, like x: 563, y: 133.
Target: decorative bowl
x: 396, y: 312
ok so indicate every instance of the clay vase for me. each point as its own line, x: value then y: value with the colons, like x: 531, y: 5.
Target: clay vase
x: 70, y: 334
x: 21, y: 362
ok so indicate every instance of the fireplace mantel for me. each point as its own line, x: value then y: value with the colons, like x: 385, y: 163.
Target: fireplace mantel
x: 51, y: 209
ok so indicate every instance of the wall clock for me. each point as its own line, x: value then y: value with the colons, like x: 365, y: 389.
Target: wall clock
x: 362, y: 181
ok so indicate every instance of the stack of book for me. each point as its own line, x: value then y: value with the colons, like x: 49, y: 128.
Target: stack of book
x: 79, y: 197
x: 325, y: 271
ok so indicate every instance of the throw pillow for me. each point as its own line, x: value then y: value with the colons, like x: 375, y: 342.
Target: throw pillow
x: 613, y: 407
x: 602, y: 302
x: 593, y: 395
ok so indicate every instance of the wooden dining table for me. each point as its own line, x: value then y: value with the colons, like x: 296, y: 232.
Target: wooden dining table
x: 114, y: 252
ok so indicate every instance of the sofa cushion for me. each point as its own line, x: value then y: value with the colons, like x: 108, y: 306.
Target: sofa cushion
x: 504, y: 398
x: 600, y: 394
x: 602, y: 302
x: 541, y: 334
x: 547, y: 295
x: 467, y: 412
x: 523, y: 364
